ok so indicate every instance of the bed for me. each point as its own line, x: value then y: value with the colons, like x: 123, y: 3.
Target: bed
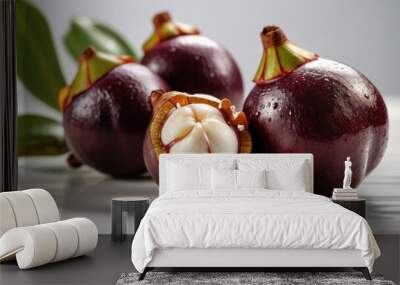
x: 246, y: 211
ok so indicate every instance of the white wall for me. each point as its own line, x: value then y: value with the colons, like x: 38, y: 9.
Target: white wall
x: 362, y: 33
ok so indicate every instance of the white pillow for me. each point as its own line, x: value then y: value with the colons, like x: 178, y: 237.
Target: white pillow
x: 182, y: 177
x: 251, y: 179
x: 223, y: 179
x: 291, y: 175
x: 291, y: 178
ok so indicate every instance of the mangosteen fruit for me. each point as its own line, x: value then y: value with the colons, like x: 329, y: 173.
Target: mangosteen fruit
x: 302, y: 103
x: 190, y: 62
x: 106, y: 112
x: 184, y: 123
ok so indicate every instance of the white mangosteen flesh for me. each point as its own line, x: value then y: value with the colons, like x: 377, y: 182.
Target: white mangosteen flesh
x: 198, y: 128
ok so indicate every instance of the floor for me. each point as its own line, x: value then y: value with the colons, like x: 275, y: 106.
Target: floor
x: 103, y: 266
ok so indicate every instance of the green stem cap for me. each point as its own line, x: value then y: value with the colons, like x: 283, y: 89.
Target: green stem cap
x: 92, y: 66
x: 165, y: 28
x: 280, y: 56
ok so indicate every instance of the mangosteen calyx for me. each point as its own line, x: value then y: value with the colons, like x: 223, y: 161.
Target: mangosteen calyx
x: 165, y: 28
x: 92, y: 66
x: 280, y: 56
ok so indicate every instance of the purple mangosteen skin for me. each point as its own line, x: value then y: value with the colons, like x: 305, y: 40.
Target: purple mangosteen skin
x: 105, y: 124
x: 324, y: 108
x: 196, y: 64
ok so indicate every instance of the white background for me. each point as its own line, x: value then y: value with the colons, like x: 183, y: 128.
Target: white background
x: 362, y: 33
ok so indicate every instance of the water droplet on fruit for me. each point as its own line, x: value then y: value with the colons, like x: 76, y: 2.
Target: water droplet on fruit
x: 262, y: 106
x: 275, y: 105
x: 326, y: 79
x: 290, y: 112
x: 257, y: 114
x: 269, y: 104
x: 366, y: 95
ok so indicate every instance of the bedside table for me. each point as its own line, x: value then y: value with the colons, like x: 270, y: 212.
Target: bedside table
x: 356, y: 205
x: 133, y: 205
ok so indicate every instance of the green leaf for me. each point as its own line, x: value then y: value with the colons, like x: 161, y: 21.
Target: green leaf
x: 37, y: 63
x: 39, y: 135
x: 84, y: 33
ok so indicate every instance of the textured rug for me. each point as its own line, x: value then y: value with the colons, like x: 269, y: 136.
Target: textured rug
x: 244, y: 278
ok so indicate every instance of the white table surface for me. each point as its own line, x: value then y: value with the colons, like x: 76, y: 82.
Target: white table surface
x: 85, y: 192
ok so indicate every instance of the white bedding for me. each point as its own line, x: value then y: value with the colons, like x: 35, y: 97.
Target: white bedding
x: 250, y: 218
